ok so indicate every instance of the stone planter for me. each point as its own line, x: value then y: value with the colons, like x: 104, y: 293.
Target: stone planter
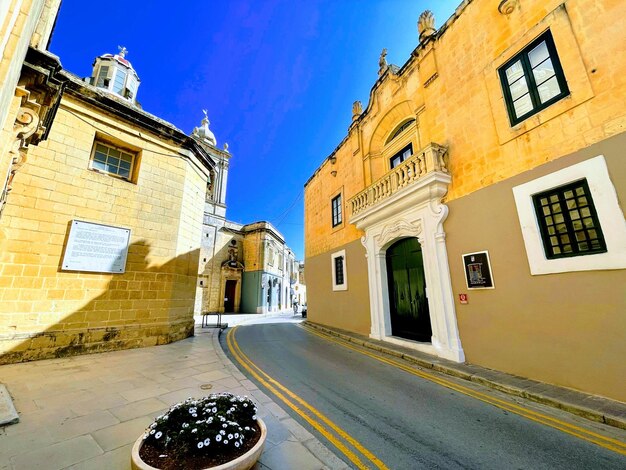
x: 243, y: 462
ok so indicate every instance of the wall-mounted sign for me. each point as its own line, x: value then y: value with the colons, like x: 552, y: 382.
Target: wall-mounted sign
x: 478, y: 270
x: 463, y: 298
x: 96, y: 248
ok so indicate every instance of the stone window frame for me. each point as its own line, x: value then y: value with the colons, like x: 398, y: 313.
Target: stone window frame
x: 527, y: 74
x: 339, y: 254
x: 134, y: 164
x: 610, y: 217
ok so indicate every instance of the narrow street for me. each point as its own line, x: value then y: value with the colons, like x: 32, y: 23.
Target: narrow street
x: 377, y: 415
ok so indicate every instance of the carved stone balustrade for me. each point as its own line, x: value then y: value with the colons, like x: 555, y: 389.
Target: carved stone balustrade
x: 429, y: 159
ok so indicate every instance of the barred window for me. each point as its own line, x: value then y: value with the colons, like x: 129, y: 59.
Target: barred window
x: 339, y: 270
x: 568, y: 221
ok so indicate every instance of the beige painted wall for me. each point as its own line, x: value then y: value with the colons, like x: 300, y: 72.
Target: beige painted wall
x: 566, y: 329
x: 349, y: 309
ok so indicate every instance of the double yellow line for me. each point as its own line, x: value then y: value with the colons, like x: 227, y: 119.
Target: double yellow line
x: 349, y: 446
x: 581, y: 433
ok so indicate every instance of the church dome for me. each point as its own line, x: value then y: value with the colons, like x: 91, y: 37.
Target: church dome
x: 116, y: 74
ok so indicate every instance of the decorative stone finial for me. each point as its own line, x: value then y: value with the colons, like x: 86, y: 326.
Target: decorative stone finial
x: 225, y: 146
x: 357, y: 109
x: 382, y: 62
x: 123, y: 51
x: 426, y: 25
x: 203, y: 132
x: 506, y: 7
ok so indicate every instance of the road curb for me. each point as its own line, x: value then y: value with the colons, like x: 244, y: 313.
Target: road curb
x: 592, y: 407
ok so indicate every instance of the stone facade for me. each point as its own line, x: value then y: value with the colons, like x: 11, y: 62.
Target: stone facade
x: 48, y: 311
x: 447, y: 103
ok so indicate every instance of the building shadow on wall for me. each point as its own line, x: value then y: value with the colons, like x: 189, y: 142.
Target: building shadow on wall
x: 151, y: 303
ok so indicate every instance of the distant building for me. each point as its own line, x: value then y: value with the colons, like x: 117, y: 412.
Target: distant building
x: 244, y: 268
x: 474, y: 211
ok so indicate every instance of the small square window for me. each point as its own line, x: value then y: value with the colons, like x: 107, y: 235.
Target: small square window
x: 336, y: 210
x: 568, y: 221
x: 533, y: 79
x: 112, y: 160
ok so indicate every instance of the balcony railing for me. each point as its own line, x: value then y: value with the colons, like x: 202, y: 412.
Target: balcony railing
x: 429, y: 159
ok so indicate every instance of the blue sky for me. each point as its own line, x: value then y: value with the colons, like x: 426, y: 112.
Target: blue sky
x: 278, y: 78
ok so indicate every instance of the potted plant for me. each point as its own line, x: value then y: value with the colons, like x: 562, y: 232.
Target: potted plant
x: 220, y: 431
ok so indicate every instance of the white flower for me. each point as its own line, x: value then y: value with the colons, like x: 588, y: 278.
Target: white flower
x: 210, y: 420
x: 194, y: 430
x: 224, y: 426
x: 158, y: 434
x: 225, y: 441
x: 247, y: 428
x: 194, y: 415
x: 200, y: 445
x: 254, y: 417
x: 236, y: 435
x: 245, y: 405
x: 230, y: 436
x: 222, y: 432
x: 207, y: 441
x: 185, y: 425
x: 152, y: 432
x: 214, y: 410
x: 218, y: 437
x: 236, y: 444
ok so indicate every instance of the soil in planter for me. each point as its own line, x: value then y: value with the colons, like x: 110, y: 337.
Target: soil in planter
x: 173, y: 461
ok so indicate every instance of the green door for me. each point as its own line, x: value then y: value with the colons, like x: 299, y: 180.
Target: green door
x: 407, y: 291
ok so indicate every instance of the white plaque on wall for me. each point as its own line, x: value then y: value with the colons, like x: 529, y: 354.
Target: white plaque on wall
x: 96, y: 248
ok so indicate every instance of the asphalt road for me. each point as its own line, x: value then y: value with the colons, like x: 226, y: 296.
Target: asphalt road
x: 406, y: 421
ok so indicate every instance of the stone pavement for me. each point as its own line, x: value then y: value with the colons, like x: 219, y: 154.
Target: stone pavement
x: 85, y: 412
x: 588, y: 406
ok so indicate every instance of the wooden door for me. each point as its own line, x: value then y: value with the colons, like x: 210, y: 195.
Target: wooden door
x: 408, y: 304
x: 229, y: 295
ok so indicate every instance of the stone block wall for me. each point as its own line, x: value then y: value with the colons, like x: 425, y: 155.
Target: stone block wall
x: 46, y: 312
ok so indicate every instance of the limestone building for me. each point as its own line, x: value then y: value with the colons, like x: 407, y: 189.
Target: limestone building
x: 244, y: 268
x: 474, y: 211
x: 102, y: 226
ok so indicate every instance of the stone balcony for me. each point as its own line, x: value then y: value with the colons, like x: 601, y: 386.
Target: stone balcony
x: 410, y: 172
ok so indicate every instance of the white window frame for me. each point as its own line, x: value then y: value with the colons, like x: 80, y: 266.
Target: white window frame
x: 610, y: 216
x: 344, y: 286
x: 133, y: 163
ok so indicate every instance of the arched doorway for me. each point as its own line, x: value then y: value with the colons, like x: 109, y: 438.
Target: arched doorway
x: 408, y: 305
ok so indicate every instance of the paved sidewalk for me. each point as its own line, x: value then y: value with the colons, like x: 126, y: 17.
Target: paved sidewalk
x: 588, y: 406
x: 85, y: 412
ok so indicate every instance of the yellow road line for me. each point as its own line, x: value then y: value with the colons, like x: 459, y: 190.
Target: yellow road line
x: 584, y: 434
x: 275, y: 386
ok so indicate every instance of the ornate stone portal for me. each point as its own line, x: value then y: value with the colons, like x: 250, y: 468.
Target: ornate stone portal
x: 415, y: 211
